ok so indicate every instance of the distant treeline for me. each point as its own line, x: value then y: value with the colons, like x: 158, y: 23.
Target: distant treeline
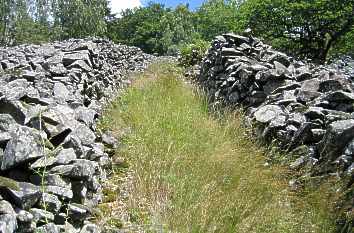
x: 307, y: 28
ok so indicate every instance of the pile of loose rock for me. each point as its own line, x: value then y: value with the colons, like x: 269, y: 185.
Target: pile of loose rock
x: 345, y: 64
x: 306, y: 109
x: 52, y: 160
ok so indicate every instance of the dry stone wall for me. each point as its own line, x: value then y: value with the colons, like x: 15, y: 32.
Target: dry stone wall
x: 52, y: 159
x: 306, y: 109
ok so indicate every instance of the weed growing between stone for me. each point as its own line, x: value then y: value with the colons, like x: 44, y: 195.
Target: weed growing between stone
x: 193, y: 172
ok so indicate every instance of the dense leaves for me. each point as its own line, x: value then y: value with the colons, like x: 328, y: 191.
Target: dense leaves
x: 303, y: 27
x: 311, y: 29
x: 37, y: 21
x: 154, y: 28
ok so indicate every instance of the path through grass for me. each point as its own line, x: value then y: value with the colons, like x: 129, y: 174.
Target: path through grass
x: 193, y: 172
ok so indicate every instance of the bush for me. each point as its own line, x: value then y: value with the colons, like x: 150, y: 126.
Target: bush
x: 192, y: 54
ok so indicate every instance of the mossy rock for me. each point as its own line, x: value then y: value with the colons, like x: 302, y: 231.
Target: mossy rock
x: 9, y: 183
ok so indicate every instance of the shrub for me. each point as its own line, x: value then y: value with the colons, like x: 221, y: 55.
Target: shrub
x: 192, y: 54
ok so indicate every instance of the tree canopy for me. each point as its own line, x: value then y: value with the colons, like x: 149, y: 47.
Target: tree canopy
x: 314, y: 29
x: 307, y: 28
x: 36, y: 21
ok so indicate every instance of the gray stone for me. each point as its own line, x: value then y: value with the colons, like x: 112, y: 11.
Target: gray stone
x: 349, y: 149
x: 350, y: 170
x: 30, y: 75
x: 67, y: 228
x: 4, y: 138
x: 234, y: 97
x: 48, y: 228
x: 296, y: 118
x: 74, y: 142
x: 16, y: 89
x: 62, y: 193
x: 236, y: 39
x: 70, y: 58
x: 65, y: 156
x: 90, y: 228
x: 280, y: 69
x: 14, y: 108
x: 312, y: 85
x: 80, y: 64
x: 6, y: 208
x: 331, y: 85
x: 338, y: 135
x: 109, y: 140
x: 315, y: 113
x: 7, y: 123
x: 279, y: 57
x: 305, y: 96
x: 104, y: 161
x: 288, y: 87
x: 51, y: 180
x: 302, y: 135
x: 78, y: 212
x: 8, y: 223
x: 57, y: 69
x: 268, y: 113
x: 230, y: 52
x: 83, y: 169
x: 86, y: 115
x: 43, y: 162
x: 40, y: 215
x: 96, y: 151
x: 63, y: 170
x: 272, y: 85
x: 23, y: 147
x: 23, y: 216
x: 317, y: 134
x: 50, y: 203
x: 340, y: 96
x: 27, y: 195
x: 25, y: 221
x: 60, y: 91
x: 86, y: 136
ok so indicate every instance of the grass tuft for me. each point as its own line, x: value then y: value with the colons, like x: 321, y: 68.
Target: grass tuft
x: 194, y: 172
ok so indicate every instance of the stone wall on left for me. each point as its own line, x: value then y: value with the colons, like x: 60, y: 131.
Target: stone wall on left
x: 52, y: 159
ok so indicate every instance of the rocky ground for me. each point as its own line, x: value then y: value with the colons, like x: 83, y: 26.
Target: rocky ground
x: 307, y: 110
x: 53, y: 159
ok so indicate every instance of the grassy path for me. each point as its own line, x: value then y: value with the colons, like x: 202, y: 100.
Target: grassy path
x: 192, y: 172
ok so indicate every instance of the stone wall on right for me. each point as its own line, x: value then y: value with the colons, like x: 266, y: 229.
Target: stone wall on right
x: 306, y: 109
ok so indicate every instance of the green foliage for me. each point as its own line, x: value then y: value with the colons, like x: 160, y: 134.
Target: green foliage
x: 154, y: 28
x: 80, y: 18
x: 38, y: 21
x: 301, y: 27
x: 345, y: 45
x: 305, y: 28
x: 193, y: 53
x: 216, y: 17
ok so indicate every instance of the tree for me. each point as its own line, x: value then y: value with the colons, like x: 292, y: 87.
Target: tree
x: 6, y: 13
x: 80, y: 18
x: 215, y: 17
x: 307, y: 28
x: 26, y: 28
x: 345, y: 45
x: 154, y: 28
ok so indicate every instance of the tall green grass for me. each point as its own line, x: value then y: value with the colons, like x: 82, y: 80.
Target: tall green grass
x: 194, y: 172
